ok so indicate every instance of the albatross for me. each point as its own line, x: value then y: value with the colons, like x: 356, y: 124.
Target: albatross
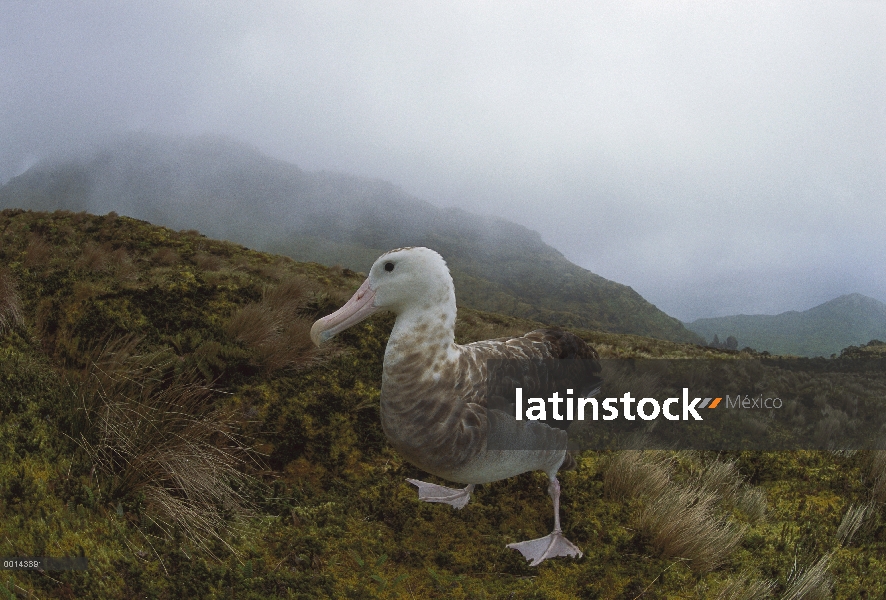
x: 437, y: 407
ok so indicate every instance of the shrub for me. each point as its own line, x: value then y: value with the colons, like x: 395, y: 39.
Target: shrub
x: 38, y: 252
x: 207, y: 262
x: 122, y: 265
x: 93, y: 257
x: 166, y: 256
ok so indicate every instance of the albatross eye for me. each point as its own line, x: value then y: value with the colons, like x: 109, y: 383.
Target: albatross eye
x: 389, y: 267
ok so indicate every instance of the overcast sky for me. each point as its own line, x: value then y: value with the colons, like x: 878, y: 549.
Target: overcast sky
x: 719, y: 158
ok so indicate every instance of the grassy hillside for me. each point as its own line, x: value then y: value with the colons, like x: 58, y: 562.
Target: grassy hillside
x: 163, y: 413
x: 820, y: 331
x: 233, y: 192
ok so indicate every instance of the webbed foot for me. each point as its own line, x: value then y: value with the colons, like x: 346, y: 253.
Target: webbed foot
x: 553, y: 544
x: 431, y: 492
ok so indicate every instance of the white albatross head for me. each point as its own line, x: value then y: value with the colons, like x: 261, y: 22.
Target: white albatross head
x: 404, y: 281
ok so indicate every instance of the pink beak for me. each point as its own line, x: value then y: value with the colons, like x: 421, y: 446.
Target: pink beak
x: 355, y: 310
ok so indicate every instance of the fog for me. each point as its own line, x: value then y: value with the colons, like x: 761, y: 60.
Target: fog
x: 719, y: 158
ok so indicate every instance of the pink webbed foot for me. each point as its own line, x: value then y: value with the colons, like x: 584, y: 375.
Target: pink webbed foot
x: 555, y: 543
x: 552, y: 545
x: 431, y: 492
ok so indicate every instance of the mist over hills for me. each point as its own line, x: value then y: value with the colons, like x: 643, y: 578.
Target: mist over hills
x: 232, y: 191
x: 823, y: 330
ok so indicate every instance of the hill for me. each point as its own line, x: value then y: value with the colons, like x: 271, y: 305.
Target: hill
x: 231, y: 191
x: 823, y: 330
x: 164, y: 415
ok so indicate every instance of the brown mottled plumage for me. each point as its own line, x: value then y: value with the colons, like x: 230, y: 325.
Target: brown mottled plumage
x: 438, y: 408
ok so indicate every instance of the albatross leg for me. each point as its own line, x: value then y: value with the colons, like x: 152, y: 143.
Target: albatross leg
x: 431, y: 492
x: 553, y: 544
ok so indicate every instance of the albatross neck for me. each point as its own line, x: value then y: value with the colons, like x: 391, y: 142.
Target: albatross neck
x: 428, y: 329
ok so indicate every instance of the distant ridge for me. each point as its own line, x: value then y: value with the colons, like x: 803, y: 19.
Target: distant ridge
x: 232, y: 191
x: 823, y: 330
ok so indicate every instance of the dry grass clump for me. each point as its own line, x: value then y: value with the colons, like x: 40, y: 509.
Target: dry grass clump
x: 724, y: 479
x: 683, y: 520
x: 166, y: 256
x: 162, y: 440
x: 636, y: 474
x: 275, y: 329
x: 38, y: 252
x: 720, y: 477
x: 683, y: 523
x: 812, y: 583
x: 10, y: 303
x: 852, y: 522
x: 752, y: 502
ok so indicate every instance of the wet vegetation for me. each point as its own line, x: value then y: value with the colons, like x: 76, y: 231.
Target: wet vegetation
x: 163, y: 414
x: 820, y: 331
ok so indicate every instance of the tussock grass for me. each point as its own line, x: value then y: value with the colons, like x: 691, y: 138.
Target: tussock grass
x: 720, y: 477
x: 682, y: 522
x: 10, y: 303
x: 636, y: 474
x: 723, y: 478
x: 752, y: 503
x: 275, y: 328
x: 852, y: 522
x: 163, y: 442
x: 812, y: 583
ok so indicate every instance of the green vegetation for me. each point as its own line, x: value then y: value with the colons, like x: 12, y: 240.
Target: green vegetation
x: 162, y: 414
x: 820, y: 331
x: 873, y: 349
